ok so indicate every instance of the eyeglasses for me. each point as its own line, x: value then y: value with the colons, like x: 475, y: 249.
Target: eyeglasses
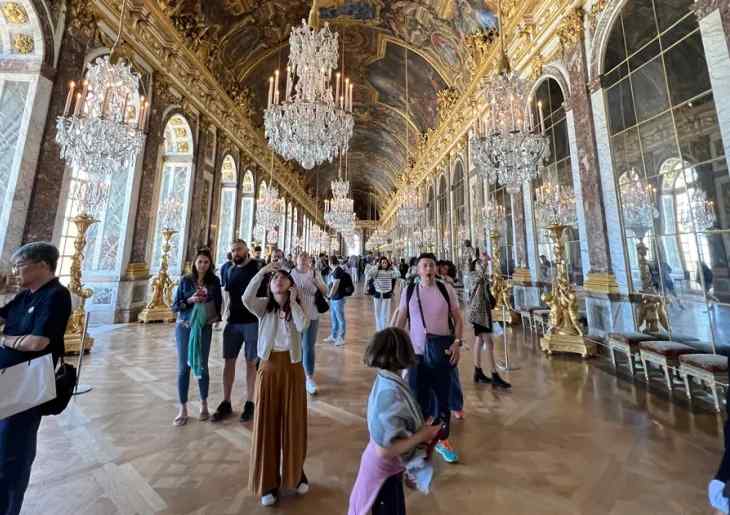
x: 17, y: 267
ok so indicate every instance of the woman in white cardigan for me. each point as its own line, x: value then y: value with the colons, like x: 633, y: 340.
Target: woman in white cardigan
x: 280, y: 417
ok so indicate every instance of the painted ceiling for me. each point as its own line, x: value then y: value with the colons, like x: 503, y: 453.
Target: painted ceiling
x: 244, y: 41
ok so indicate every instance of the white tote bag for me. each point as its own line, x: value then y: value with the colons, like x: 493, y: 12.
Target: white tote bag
x: 26, y: 385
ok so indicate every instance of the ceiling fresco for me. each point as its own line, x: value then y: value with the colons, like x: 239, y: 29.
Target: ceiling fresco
x: 244, y: 41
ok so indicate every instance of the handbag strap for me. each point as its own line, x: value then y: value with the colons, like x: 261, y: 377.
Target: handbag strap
x: 420, y: 308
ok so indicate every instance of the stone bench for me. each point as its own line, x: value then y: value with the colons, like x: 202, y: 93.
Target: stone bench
x: 707, y: 368
x: 665, y: 355
x: 628, y: 343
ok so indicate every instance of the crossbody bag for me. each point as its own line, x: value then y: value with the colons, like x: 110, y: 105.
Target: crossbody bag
x: 436, y: 353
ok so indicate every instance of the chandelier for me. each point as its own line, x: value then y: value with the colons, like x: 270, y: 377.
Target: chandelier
x: 701, y: 212
x: 269, y: 209
x: 410, y: 210
x: 310, y: 123
x: 493, y: 216
x: 508, y: 148
x: 102, y: 127
x: 555, y: 205
x: 637, y: 202
x: 376, y: 240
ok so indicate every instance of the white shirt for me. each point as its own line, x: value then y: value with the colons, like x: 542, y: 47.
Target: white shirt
x: 281, y: 335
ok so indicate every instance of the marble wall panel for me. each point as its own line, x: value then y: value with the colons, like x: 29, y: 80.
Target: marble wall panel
x: 610, y: 199
x: 519, y: 228
x: 578, y: 189
x: 44, y: 202
x: 146, y: 203
x: 202, y: 189
x: 530, y: 231
x: 585, y: 145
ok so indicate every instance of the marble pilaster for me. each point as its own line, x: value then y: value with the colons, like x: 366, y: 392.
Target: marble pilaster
x: 530, y: 230
x: 519, y: 234
x: 616, y: 240
x: 715, y: 42
x: 578, y: 190
x: 584, y: 159
x: 48, y: 180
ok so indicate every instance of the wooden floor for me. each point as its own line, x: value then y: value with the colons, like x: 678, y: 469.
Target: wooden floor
x: 570, y: 439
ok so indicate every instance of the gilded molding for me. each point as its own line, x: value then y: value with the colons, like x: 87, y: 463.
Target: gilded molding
x: 149, y: 30
x: 596, y: 10
x: 23, y: 44
x: 570, y: 31
x: 702, y: 8
x: 14, y: 13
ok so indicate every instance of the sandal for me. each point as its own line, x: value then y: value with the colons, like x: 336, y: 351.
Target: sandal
x: 204, y: 415
x: 180, y: 420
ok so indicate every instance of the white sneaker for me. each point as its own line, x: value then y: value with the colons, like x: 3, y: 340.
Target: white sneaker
x: 303, y: 488
x: 311, y: 386
x: 329, y: 339
x: 339, y: 342
x: 268, y: 500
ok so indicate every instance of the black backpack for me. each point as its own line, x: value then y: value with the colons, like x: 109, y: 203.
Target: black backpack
x: 65, y: 385
x: 442, y: 288
x: 346, y: 287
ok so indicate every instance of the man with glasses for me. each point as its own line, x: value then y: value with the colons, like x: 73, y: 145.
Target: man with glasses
x: 35, y: 323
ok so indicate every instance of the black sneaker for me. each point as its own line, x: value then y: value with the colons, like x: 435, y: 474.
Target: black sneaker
x: 247, y: 415
x: 499, y: 382
x: 479, y: 376
x: 223, y: 410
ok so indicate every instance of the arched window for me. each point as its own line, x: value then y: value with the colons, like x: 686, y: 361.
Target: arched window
x: 443, y: 210
x: 105, y: 239
x: 557, y: 170
x: 226, y: 220
x: 175, y: 184
x: 662, y: 123
x: 245, y: 229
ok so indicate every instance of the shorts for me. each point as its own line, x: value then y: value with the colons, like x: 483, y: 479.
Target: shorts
x: 716, y: 496
x: 234, y: 336
x: 480, y: 329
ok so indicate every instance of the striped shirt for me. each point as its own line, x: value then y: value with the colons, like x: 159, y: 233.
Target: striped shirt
x: 383, y: 279
x: 307, y: 287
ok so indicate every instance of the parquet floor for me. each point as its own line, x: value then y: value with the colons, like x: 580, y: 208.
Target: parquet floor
x: 570, y: 439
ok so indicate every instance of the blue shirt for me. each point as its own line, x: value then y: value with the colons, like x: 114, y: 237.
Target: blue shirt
x: 44, y: 312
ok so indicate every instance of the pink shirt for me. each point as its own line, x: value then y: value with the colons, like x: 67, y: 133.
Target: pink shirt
x: 435, y: 309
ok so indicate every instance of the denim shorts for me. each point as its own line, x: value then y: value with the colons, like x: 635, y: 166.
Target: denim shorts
x: 234, y: 337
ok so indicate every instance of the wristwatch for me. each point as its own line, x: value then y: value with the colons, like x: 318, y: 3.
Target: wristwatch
x: 459, y: 341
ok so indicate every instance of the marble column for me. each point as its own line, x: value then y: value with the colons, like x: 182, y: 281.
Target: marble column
x: 578, y: 190
x: 198, y: 227
x: 584, y: 160
x: 530, y: 231
x: 48, y: 180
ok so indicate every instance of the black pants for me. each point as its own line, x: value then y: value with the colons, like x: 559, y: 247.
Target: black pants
x: 428, y: 384
x: 391, y: 499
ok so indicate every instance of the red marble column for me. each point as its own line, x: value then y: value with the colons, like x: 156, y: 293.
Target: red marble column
x: 45, y: 198
x: 153, y: 146
x: 199, y: 226
x: 520, y: 231
x: 580, y: 103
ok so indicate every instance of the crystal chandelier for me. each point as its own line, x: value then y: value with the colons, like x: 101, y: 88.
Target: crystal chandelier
x: 637, y: 201
x: 170, y: 212
x: 701, y: 212
x: 269, y: 209
x: 102, y: 127
x: 409, y: 211
x: 555, y: 205
x: 508, y: 148
x: 493, y: 216
x: 311, y: 123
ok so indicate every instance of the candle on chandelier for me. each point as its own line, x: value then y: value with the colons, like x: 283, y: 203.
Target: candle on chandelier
x: 271, y: 91
x: 276, y: 87
x: 542, y: 118
x: 69, y: 98
x: 124, y: 107
x: 337, y: 86
x: 84, y: 93
x: 532, y: 119
x: 140, y: 114
x: 346, y: 91
x: 351, y: 89
x: 287, y: 91
x: 342, y: 101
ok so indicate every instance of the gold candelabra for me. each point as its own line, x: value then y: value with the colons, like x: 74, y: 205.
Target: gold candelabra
x: 565, y: 333
x: 76, y: 324
x: 503, y: 311
x: 651, y: 310
x: 158, y: 308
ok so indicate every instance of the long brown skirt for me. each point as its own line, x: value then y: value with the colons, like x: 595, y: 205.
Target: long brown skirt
x: 280, y: 425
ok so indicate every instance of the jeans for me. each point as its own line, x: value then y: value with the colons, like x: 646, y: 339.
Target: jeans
x: 309, y: 338
x: 456, y: 397
x: 432, y: 388
x: 18, y: 439
x: 337, y: 314
x: 382, y: 313
x: 182, y: 335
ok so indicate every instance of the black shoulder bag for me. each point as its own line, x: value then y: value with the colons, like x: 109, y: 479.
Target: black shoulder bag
x: 436, y: 354
x: 65, y: 385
